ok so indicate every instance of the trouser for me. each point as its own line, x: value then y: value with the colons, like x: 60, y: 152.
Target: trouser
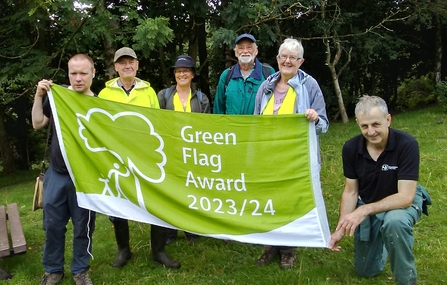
x: 116, y: 219
x: 278, y: 248
x: 60, y: 204
x: 389, y: 233
x: 173, y: 234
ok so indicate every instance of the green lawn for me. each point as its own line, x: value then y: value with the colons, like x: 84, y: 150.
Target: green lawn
x: 211, y: 261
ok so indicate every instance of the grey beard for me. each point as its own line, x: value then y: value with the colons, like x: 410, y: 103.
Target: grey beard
x: 244, y: 60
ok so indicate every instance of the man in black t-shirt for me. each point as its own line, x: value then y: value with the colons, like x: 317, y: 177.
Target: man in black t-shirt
x: 60, y: 202
x: 380, y: 203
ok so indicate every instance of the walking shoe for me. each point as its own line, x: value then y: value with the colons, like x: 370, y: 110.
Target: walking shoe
x: 288, y: 258
x: 82, y: 279
x: 269, y: 254
x: 51, y: 278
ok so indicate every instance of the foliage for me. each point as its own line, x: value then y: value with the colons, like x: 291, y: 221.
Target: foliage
x: 441, y: 93
x: 38, y: 37
x: 416, y: 92
x: 212, y: 261
x: 151, y: 34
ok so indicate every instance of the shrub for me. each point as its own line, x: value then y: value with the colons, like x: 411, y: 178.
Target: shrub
x: 441, y: 93
x: 416, y: 92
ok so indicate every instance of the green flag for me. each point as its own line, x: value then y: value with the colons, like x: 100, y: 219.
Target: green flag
x: 248, y: 178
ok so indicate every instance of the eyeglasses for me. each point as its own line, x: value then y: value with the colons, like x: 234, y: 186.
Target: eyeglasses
x: 180, y: 71
x: 292, y: 58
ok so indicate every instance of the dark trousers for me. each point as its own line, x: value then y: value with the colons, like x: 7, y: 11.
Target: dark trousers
x: 61, y: 204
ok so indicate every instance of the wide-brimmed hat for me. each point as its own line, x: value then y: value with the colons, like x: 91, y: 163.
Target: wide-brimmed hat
x: 245, y: 36
x: 184, y: 61
x: 124, y: 51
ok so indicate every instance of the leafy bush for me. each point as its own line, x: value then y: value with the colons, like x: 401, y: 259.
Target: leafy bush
x: 441, y: 93
x: 416, y: 92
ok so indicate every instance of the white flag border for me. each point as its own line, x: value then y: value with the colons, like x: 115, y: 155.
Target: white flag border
x: 278, y: 236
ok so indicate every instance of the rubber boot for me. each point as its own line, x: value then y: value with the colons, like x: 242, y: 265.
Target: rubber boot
x: 171, y: 236
x: 159, y: 236
x: 122, y: 240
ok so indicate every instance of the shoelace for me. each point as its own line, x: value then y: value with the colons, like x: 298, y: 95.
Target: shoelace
x: 286, y: 257
x: 84, y: 278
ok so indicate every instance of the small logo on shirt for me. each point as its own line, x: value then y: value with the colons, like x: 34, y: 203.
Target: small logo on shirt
x: 387, y: 167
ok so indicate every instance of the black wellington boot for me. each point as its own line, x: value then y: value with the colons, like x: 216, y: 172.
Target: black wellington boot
x: 171, y: 236
x: 122, y: 239
x: 159, y: 236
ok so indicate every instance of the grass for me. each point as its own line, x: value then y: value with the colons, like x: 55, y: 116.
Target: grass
x: 211, y: 261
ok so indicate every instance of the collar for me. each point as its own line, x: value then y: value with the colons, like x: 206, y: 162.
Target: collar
x: 255, y: 74
x: 120, y: 84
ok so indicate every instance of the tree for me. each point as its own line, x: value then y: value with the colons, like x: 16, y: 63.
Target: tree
x: 367, y: 47
x: 22, y: 58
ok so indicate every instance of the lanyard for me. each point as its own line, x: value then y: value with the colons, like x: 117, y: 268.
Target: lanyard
x: 178, y: 105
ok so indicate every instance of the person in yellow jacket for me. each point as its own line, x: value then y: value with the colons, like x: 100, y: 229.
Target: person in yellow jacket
x: 128, y: 88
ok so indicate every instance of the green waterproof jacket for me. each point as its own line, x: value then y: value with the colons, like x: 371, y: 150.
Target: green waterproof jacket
x: 238, y: 98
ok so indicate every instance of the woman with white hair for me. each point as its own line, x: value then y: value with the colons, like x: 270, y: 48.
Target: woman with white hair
x: 290, y: 91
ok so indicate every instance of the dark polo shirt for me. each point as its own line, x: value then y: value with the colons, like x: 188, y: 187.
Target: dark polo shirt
x: 378, y: 179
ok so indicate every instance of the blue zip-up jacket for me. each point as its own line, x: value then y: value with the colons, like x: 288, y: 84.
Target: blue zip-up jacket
x: 238, y: 98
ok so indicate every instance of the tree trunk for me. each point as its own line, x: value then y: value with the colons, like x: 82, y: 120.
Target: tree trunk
x: 20, y: 132
x: 334, y: 76
x: 7, y: 154
x: 203, y: 57
x: 109, y: 46
x: 331, y: 64
x: 438, y: 50
x: 109, y: 53
x: 338, y: 93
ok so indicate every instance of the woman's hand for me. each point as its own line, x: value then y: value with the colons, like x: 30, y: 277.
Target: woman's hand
x: 312, y: 115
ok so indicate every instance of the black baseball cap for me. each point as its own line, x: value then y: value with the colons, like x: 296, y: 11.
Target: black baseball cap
x: 184, y: 61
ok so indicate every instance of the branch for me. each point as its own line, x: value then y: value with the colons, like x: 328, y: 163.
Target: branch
x: 26, y: 52
x: 61, y: 52
x: 282, y: 16
x: 337, y: 54
x: 328, y: 52
x: 387, y: 19
x: 346, y: 63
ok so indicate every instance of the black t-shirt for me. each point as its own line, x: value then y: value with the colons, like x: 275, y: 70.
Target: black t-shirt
x: 56, y: 160
x: 378, y: 179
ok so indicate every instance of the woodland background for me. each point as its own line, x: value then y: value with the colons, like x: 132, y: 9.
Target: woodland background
x: 393, y: 49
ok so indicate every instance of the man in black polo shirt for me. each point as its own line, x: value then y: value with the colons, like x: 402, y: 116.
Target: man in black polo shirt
x: 380, y: 203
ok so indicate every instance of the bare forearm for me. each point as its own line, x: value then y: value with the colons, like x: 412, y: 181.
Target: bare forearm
x: 393, y: 202
x: 348, y: 203
x: 38, y: 118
